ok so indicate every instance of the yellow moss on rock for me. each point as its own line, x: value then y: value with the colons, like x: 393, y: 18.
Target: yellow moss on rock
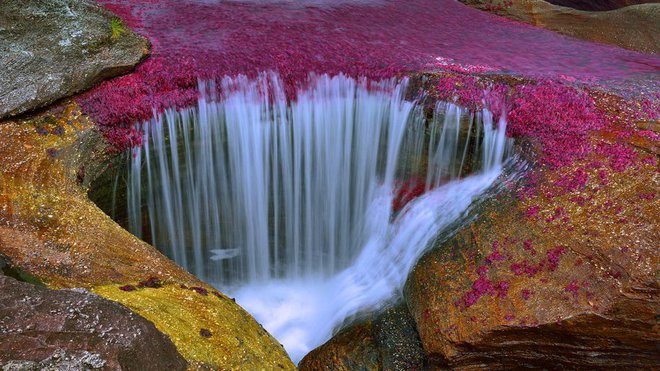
x: 207, y: 329
x: 49, y: 229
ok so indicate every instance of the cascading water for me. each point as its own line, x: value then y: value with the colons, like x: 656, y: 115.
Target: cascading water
x: 292, y: 207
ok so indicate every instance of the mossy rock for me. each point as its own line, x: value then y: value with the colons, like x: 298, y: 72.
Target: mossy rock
x: 50, y: 230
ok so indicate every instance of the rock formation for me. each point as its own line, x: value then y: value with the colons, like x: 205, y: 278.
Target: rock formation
x: 386, y: 341
x: 601, y: 5
x: 52, y: 49
x: 556, y: 267
x: 52, y: 234
x: 75, y: 329
x: 635, y: 27
x: 549, y: 280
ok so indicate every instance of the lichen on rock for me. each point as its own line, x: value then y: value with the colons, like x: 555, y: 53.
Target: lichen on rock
x: 74, y: 330
x: 53, y: 49
x: 547, y: 278
x: 50, y: 230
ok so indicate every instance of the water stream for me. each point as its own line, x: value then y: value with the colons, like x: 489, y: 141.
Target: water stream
x: 309, y: 211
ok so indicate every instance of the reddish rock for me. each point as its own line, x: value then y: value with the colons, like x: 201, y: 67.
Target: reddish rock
x: 553, y: 287
x: 74, y: 329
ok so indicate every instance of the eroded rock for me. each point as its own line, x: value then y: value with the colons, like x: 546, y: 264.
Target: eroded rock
x: 353, y: 348
x: 53, y: 49
x: 635, y: 27
x: 76, y: 330
x: 565, y: 278
x: 52, y: 232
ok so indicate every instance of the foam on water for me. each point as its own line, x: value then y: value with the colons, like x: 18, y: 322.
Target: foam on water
x: 302, y: 313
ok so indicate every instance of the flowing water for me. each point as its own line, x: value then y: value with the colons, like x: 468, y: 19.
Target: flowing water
x: 309, y: 211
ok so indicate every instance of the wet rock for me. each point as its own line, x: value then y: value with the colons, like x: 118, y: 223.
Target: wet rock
x: 601, y: 5
x: 50, y: 232
x: 398, y: 341
x: 635, y: 27
x: 43, y: 329
x: 53, y: 49
x: 388, y: 341
x: 353, y: 348
x: 61, y: 361
x: 566, y: 280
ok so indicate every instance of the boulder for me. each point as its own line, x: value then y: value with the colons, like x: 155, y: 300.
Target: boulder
x: 53, y: 49
x: 566, y: 278
x: 386, y: 341
x: 635, y: 27
x: 75, y: 330
x: 601, y: 5
x: 51, y: 233
x: 353, y: 348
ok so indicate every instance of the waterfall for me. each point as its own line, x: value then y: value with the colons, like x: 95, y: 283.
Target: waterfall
x: 281, y: 202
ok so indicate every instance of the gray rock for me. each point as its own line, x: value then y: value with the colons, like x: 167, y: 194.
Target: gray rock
x: 60, y: 361
x: 380, y: 341
x: 396, y: 334
x: 44, y: 329
x: 51, y: 49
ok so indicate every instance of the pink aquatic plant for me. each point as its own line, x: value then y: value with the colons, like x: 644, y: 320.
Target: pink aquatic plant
x: 558, y: 116
x: 377, y: 41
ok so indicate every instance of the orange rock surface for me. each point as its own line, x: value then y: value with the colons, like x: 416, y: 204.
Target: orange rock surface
x: 50, y: 232
x: 549, y: 279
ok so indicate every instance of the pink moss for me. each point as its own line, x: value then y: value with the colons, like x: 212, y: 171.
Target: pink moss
x: 650, y: 160
x: 649, y: 196
x: 649, y: 134
x: 378, y: 40
x: 558, y: 213
x: 482, y: 270
x: 553, y: 257
x: 621, y: 156
x: 481, y: 287
x: 558, y: 116
x: 502, y: 289
x: 532, y: 211
x: 573, y: 288
x: 525, y: 268
x: 571, y: 182
x: 406, y: 192
x: 526, y: 294
x: 495, y: 255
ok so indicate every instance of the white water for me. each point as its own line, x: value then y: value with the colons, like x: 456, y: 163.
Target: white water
x: 302, y: 313
x: 289, y: 207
